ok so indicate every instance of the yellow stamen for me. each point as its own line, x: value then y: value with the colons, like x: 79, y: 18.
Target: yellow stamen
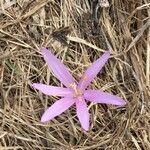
x: 77, y: 92
x: 73, y: 86
x: 85, y: 78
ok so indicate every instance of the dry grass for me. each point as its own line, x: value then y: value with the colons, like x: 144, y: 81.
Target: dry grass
x: 123, y: 27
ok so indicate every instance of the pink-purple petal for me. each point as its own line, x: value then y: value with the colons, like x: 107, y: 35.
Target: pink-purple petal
x: 103, y: 97
x: 93, y: 70
x: 58, y: 68
x: 82, y: 113
x: 52, y: 90
x: 57, y: 108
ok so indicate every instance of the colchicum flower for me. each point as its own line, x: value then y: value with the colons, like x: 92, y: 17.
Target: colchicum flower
x: 75, y: 93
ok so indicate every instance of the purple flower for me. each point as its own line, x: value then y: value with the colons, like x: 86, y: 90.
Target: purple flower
x: 75, y: 93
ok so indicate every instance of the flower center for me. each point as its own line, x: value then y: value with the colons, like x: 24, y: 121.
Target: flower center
x: 77, y: 92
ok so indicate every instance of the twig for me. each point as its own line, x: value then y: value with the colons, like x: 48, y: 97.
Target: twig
x: 79, y: 40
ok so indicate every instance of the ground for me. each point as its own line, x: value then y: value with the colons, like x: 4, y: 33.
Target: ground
x: 78, y: 32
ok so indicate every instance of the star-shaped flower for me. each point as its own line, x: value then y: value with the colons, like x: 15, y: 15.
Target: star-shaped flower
x: 75, y: 93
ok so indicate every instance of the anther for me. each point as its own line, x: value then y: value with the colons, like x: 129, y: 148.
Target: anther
x: 85, y: 78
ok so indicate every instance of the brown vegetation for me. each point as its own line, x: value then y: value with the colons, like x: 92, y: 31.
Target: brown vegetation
x: 77, y: 31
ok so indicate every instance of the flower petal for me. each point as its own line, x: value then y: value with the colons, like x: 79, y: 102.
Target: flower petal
x: 93, y: 70
x: 52, y: 90
x: 103, y: 97
x: 57, y: 108
x: 82, y: 113
x: 58, y: 68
